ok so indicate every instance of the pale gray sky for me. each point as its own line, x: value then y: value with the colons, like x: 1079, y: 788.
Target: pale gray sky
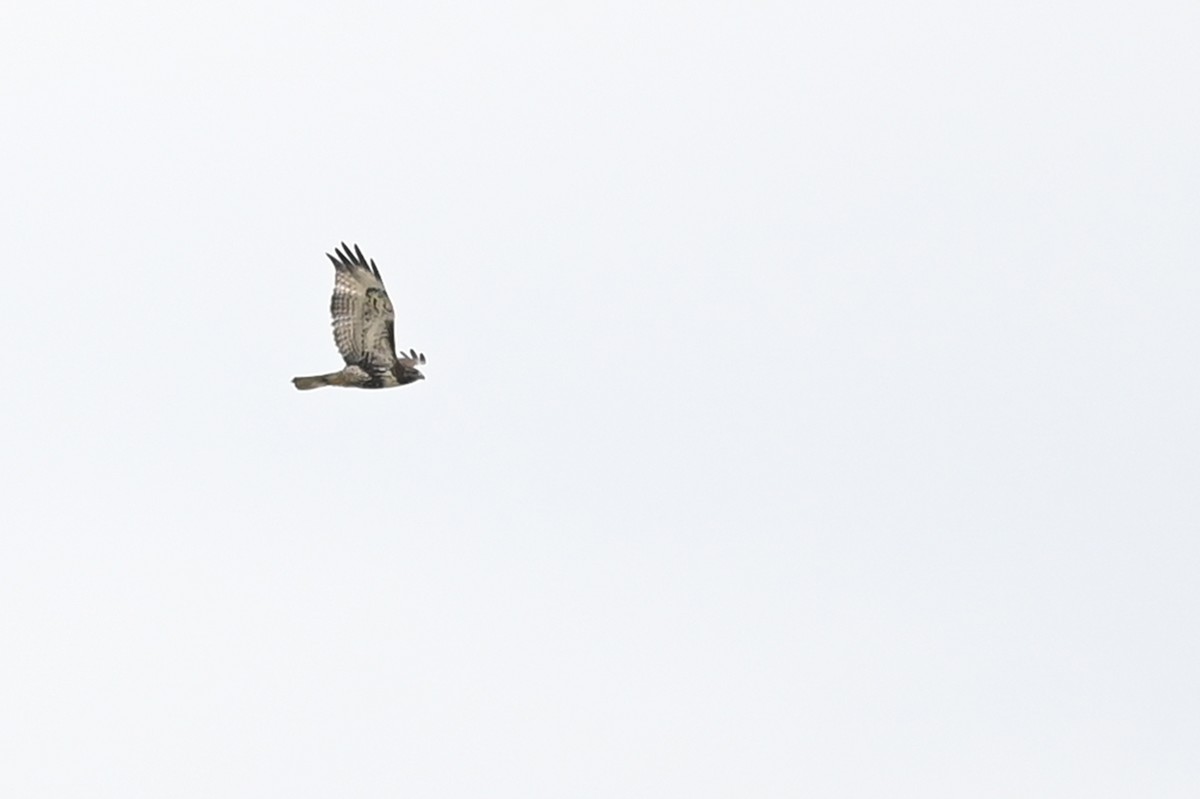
x: 812, y: 401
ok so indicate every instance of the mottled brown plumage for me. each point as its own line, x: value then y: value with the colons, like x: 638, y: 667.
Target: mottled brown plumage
x: 364, y: 329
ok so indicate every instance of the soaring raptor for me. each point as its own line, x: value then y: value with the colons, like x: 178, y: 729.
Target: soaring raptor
x: 364, y: 329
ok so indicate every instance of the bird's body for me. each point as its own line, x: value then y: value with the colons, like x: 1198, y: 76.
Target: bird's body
x: 364, y: 330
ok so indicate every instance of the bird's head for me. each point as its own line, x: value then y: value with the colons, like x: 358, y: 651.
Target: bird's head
x: 407, y: 374
x: 405, y: 368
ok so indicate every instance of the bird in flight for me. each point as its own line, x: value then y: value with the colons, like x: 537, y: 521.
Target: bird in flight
x: 364, y: 329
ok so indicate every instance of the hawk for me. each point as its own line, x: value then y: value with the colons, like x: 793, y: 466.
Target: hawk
x: 364, y: 329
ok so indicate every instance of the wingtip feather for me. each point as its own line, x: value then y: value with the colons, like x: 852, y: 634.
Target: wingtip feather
x: 345, y: 259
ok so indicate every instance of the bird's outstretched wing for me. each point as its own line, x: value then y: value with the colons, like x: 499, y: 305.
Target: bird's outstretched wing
x: 363, y: 318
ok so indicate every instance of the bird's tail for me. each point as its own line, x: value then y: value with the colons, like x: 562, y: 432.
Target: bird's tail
x: 316, y: 381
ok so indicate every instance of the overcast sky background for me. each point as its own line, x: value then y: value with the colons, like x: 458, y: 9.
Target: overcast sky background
x: 811, y: 404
